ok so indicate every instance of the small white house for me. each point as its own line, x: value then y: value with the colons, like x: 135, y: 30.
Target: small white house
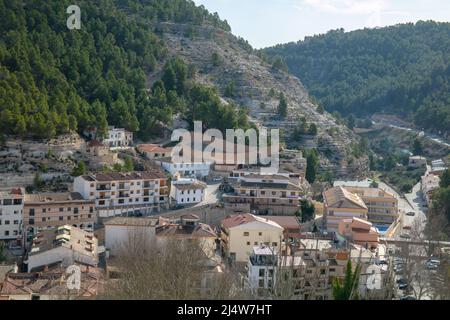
x: 188, y: 191
x: 118, y: 137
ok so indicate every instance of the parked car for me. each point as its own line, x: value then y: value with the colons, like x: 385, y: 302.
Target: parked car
x: 405, y: 236
x: 401, y: 281
x: 408, y: 298
x: 411, y: 214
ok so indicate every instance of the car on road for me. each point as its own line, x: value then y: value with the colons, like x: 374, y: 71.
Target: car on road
x: 401, y: 281
x: 435, y: 261
x: 411, y: 214
x: 217, y: 179
x: 408, y: 298
x: 405, y: 236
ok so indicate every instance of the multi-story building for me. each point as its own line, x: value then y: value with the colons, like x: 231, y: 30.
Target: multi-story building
x: 63, y: 244
x: 44, y: 211
x: 340, y: 204
x: 381, y: 205
x: 240, y: 233
x: 264, y: 194
x: 438, y: 167
x: 123, y: 193
x: 11, y: 214
x: 188, y: 191
x: 267, y: 270
x: 118, y: 137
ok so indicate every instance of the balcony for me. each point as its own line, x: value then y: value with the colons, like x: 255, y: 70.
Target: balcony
x: 103, y: 187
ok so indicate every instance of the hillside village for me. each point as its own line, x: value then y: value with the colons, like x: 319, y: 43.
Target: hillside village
x: 95, y: 203
x: 249, y: 224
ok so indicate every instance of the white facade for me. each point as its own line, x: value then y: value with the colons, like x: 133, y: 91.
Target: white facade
x: 194, y: 169
x: 11, y: 214
x: 120, y: 231
x: 117, y: 194
x: 188, y: 191
x: 118, y: 137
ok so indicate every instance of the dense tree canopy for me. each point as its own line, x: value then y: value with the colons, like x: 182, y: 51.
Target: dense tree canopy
x: 54, y: 80
x: 403, y: 69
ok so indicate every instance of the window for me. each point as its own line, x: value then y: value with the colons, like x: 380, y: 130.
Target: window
x: 43, y: 219
x: 16, y: 221
x: 89, y: 216
x: 102, y: 202
x: 75, y: 210
x: 44, y: 210
x: 61, y: 209
x: 246, y: 234
x: 260, y: 234
x: 69, y: 209
x: 6, y: 233
x: 261, y: 283
x: 262, y: 272
x: 91, y: 209
x: 31, y: 221
x: 32, y: 212
x: 61, y: 218
x: 248, y: 243
x: 274, y: 244
x: 6, y: 221
x: 7, y: 202
x: 256, y: 243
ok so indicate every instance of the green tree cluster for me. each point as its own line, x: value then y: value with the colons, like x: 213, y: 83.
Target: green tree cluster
x: 402, y: 69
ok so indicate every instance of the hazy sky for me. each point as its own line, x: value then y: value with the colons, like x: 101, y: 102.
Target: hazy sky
x: 267, y: 22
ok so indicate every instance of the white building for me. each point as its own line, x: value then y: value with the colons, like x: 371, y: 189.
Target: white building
x: 11, y: 214
x: 187, y: 191
x: 121, y: 231
x: 187, y: 169
x: 65, y: 245
x: 125, y: 193
x: 118, y: 137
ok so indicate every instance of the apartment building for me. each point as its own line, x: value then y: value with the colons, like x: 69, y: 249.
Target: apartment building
x: 382, y: 206
x: 118, y: 137
x: 125, y: 193
x: 240, y: 233
x: 264, y: 194
x: 11, y: 214
x: 49, y: 210
x: 154, y: 151
x: 187, y: 191
x: 65, y: 244
x: 267, y: 270
x: 341, y: 204
x: 360, y: 232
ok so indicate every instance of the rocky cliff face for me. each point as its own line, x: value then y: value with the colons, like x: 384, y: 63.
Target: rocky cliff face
x: 253, y: 81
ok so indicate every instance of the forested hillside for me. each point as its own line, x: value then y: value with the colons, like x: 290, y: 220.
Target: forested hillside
x: 402, y: 69
x: 54, y: 80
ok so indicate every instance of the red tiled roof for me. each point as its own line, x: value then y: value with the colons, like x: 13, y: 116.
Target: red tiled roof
x: 153, y: 148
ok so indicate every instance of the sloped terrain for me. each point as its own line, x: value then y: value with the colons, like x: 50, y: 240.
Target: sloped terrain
x: 253, y: 80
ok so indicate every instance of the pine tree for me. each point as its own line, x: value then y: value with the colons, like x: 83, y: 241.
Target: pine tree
x: 282, y: 105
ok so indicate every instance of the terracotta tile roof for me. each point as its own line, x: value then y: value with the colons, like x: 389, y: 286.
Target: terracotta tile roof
x: 236, y: 220
x: 200, y: 230
x: 119, y: 176
x: 53, y: 282
x: 132, y: 221
x: 340, y: 197
x: 153, y: 148
x: 54, y: 197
